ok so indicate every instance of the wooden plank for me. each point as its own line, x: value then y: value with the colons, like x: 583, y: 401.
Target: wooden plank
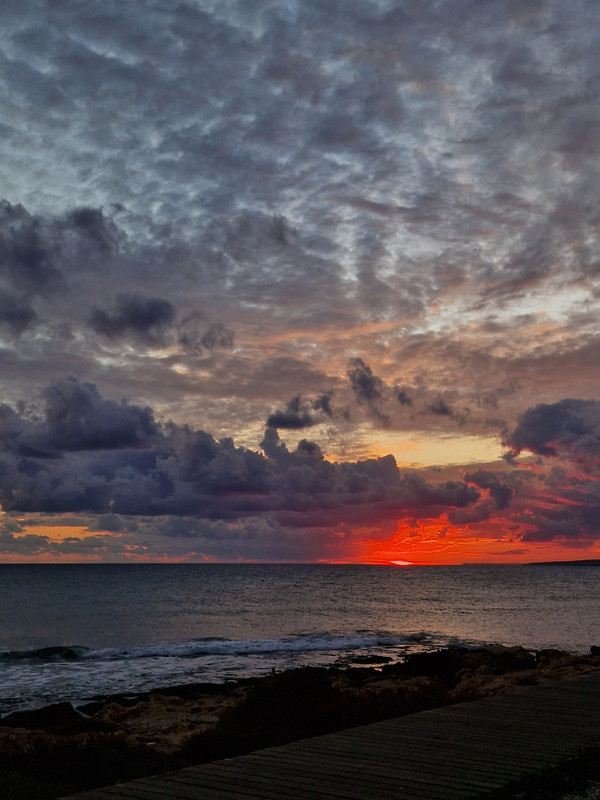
x: 414, y: 761
x: 417, y: 770
x: 402, y: 748
x: 391, y: 775
x: 461, y: 751
x: 310, y: 782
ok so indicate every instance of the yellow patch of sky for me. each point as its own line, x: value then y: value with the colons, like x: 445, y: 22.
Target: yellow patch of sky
x: 411, y: 450
x: 424, y: 450
x: 56, y: 533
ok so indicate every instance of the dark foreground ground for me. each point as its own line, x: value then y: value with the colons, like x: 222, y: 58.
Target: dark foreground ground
x: 60, y: 750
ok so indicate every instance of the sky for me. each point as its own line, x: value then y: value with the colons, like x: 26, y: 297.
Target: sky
x: 299, y: 280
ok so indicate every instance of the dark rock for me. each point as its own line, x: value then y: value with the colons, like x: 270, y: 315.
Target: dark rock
x: 52, y: 716
x: 447, y: 665
x: 547, y: 656
x: 594, y: 651
x: 371, y: 660
x: 89, y: 709
x: 442, y: 664
x: 509, y: 659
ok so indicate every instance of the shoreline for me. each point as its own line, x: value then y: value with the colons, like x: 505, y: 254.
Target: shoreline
x: 59, y: 749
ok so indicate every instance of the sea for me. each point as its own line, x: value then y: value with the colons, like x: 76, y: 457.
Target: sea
x: 78, y: 631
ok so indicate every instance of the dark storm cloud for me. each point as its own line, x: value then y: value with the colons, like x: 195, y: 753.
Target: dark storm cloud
x: 111, y: 458
x: 294, y: 417
x: 403, y: 397
x: 440, y: 407
x: 367, y: 387
x: 500, y: 492
x: 567, y: 507
x: 96, y: 227
x: 27, y: 251
x: 548, y: 429
x: 75, y: 417
x: 37, y: 251
x: 16, y: 313
x: 323, y: 403
x: 148, y: 318
x: 78, y: 418
x: 190, y: 332
x: 573, y: 523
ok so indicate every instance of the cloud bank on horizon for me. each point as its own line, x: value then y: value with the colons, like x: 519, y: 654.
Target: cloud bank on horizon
x: 299, y: 281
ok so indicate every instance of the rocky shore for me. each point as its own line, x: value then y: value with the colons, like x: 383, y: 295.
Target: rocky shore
x: 60, y: 749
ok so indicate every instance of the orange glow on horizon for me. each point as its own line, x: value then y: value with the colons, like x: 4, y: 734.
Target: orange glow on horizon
x: 413, y: 541
x: 437, y: 542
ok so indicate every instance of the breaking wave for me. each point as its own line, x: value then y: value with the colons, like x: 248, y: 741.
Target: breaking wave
x: 314, y: 643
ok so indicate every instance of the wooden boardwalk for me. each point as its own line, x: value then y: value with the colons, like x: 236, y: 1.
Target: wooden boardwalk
x: 462, y: 751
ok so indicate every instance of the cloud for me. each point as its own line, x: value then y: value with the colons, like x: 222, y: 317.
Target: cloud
x: 440, y: 408
x: 212, y: 208
x: 93, y: 225
x: 294, y: 417
x: 16, y: 313
x: 149, y: 319
x: 196, y: 335
x: 217, y: 335
x: 96, y: 455
x: 75, y: 417
x: 367, y: 387
x: 403, y: 397
x: 500, y: 492
x: 78, y: 418
x: 27, y: 254
x: 323, y: 403
x: 548, y: 429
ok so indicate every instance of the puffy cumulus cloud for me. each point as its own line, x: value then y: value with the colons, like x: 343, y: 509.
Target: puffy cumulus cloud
x: 78, y: 418
x: 75, y: 417
x: 88, y: 454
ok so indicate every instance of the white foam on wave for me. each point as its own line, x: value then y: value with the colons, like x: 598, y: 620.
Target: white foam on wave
x: 33, y: 682
x: 240, y: 647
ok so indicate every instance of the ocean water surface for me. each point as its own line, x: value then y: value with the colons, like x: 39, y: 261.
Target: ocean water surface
x: 75, y: 631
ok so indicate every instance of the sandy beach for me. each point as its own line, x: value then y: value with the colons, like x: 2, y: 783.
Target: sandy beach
x: 61, y: 749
